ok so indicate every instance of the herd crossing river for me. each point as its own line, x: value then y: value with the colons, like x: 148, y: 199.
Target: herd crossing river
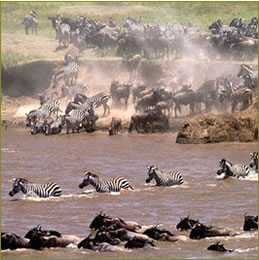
x: 64, y: 159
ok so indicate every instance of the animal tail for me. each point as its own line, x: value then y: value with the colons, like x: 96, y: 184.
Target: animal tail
x: 130, y: 187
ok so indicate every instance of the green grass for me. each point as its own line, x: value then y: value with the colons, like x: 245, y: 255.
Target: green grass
x: 200, y: 13
x: 11, y: 58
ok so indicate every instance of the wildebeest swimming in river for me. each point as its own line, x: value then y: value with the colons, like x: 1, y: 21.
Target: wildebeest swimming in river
x: 250, y: 222
x: 218, y: 247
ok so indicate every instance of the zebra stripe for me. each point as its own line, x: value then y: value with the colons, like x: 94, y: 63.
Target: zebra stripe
x: 241, y: 95
x: 227, y: 169
x: 72, y: 54
x: 42, y: 112
x: 31, y: 189
x: 164, y: 179
x: 114, y: 185
x: 101, y: 99
x: 69, y: 73
x: 63, y: 32
x: 30, y: 21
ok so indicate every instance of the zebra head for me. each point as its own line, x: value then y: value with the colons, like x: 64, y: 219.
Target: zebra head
x: 254, y: 160
x: 223, y: 170
x: 18, y: 185
x: 151, y: 173
x: 88, y: 179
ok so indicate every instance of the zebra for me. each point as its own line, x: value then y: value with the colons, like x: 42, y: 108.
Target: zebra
x: 73, y: 121
x: 227, y: 169
x: 69, y: 73
x: 114, y: 185
x: 72, y: 54
x: 42, y: 112
x: 31, y: 189
x: 254, y: 160
x: 63, y: 32
x: 30, y: 21
x: 241, y: 95
x: 101, y: 99
x: 164, y: 179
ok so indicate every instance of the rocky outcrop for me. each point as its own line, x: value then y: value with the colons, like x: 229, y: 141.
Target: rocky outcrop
x: 209, y: 128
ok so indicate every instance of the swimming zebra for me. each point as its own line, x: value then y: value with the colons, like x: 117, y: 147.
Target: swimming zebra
x: 241, y: 95
x: 254, y: 160
x: 101, y: 99
x: 32, y: 189
x: 227, y: 169
x: 164, y: 179
x: 63, y: 32
x: 69, y: 74
x: 30, y: 21
x: 114, y: 185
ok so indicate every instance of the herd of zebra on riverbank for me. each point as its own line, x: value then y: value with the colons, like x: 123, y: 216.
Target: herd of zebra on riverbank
x: 237, y: 40
x: 226, y: 169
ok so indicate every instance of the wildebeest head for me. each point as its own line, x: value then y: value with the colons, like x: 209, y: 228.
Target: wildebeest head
x: 151, y: 173
x: 218, y: 247
x: 87, y: 179
x: 250, y: 222
x: 186, y: 223
x: 38, y: 230
x: 99, y: 221
x: 18, y: 185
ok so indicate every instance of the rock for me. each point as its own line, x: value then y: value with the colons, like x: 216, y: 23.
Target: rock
x: 210, y: 128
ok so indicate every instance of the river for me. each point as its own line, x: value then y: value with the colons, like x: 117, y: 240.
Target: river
x: 64, y: 158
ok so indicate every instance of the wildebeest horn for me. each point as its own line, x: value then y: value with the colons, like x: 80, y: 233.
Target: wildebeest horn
x: 245, y: 214
x: 188, y: 216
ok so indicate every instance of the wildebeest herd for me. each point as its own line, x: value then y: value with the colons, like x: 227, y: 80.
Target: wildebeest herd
x: 117, y: 235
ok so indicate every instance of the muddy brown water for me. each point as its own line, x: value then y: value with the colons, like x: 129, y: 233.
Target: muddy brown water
x: 64, y: 158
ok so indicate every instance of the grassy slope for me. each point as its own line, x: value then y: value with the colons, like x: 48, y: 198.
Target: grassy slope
x: 200, y: 13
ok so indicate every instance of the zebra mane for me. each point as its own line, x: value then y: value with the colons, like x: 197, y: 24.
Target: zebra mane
x: 247, y: 66
x: 92, y: 174
x: 20, y: 180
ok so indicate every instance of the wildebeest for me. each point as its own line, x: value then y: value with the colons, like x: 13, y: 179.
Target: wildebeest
x: 38, y: 241
x: 12, y: 241
x: 120, y: 91
x: 42, y: 232
x: 218, y: 247
x: 103, y: 220
x: 250, y: 222
x: 115, y: 126
x: 200, y: 231
x: 186, y: 223
x: 145, y: 121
